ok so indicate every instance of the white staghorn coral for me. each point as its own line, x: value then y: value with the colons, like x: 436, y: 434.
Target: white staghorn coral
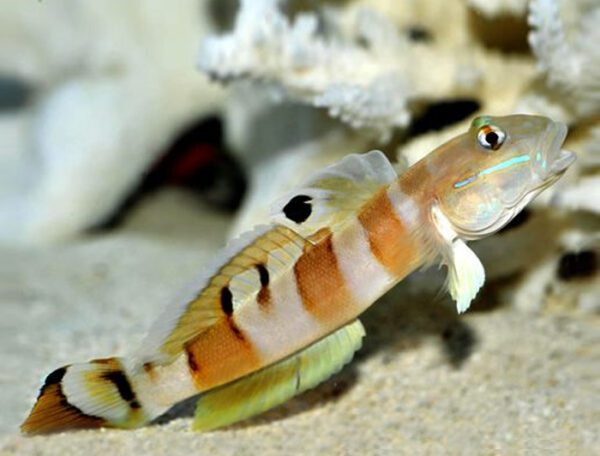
x: 366, y: 79
x: 571, y: 61
x: 345, y: 79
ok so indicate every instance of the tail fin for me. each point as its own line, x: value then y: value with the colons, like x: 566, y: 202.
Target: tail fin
x: 88, y: 395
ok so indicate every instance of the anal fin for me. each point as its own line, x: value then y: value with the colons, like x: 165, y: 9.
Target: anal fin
x: 273, y: 385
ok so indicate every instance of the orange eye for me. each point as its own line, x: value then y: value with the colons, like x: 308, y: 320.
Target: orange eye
x: 490, y: 137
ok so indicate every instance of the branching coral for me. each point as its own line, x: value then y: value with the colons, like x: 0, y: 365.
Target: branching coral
x: 571, y: 61
x: 366, y: 79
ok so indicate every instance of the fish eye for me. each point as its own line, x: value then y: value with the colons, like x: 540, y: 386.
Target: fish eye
x: 490, y: 137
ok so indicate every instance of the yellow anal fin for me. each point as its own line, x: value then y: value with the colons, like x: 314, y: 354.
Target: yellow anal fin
x: 271, y: 386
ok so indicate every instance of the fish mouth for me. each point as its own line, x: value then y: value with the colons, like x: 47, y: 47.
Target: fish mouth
x: 557, y: 160
x: 560, y: 164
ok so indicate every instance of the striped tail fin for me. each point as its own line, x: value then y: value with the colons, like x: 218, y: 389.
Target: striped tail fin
x: 99, y: 393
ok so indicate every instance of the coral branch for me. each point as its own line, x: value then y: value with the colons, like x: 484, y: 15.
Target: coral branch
x: 366, y: 79
x: 571, y: 66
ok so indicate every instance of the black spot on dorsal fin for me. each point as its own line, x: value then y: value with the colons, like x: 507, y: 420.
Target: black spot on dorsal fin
x: 298, y: 209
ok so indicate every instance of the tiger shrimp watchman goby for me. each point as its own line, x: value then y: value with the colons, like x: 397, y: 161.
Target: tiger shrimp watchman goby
x: 278, y: 313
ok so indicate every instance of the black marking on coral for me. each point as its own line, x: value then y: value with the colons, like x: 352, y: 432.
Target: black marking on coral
x: 419, y: 33
x: 577, y: 265
x: 226, y: 301
x: 298, y: 209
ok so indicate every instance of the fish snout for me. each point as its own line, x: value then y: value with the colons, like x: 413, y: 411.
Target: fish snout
x: 555, y: 160
x: 562, y: 162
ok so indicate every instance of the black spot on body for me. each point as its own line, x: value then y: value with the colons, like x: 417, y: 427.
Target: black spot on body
x: 135, y: 404
x: 263, y: 273
x: 122, y: 384
x: 192, y: 361
x: 236, y: 331
x: 577, y: 265
x: 298, y: 209
x: 263, y: 298
x: 226, y: 301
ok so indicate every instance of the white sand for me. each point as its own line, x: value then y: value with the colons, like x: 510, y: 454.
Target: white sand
x: 490, y: 382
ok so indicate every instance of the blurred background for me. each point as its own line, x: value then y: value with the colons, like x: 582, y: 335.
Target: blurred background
x: 137, y: 137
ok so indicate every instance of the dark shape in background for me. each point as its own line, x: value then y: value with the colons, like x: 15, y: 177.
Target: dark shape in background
x: 577, y: 265
x: 14, y: 93
x: 517, y: 221
x: 418, y: 33
x: 197, y: 161
x: 437, y: 116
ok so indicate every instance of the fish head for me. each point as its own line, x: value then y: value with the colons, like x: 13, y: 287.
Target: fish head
x: 495, y: 169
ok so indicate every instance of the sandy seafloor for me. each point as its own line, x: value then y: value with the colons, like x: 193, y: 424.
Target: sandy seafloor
x: 494, y: 381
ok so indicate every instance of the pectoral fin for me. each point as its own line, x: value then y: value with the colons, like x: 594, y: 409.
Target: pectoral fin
x: 465, y: 275
x: 465, y: 272
x: 276, y: 384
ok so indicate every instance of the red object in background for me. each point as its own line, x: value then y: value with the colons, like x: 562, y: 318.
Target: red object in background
x: 198, y: 161
x: 192, y: 159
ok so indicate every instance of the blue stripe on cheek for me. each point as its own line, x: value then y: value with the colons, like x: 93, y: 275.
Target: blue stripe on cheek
x: 465, y: 182
x: 492, y: 169
x: 505, y: 164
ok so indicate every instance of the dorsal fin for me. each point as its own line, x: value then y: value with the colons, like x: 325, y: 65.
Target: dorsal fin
x: 279, y: 382
x: 241, y: 268
x: 331, y: 196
